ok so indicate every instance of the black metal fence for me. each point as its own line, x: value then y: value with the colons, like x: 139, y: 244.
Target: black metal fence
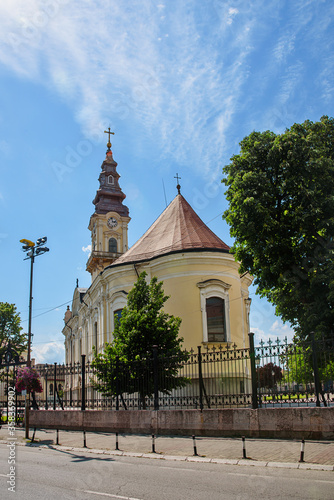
x: 276, y: 374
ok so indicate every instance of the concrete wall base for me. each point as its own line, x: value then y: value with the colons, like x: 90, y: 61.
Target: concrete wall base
x: 279, y: 423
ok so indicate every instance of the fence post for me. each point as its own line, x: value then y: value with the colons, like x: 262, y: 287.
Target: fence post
x: 83, y: 382
x: 200, y: 378
x: 46, y: 387
x: 315, y: 369
x: 155, y: 375
x: 117, y: 383
x: 253, y: 371
x: 54, y: 385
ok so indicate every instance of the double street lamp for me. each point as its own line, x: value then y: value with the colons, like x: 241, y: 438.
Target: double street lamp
x: 32, y: 250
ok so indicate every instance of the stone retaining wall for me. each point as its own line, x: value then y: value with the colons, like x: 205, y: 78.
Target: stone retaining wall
x: 283, y: 423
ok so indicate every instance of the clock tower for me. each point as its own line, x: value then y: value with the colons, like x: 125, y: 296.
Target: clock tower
x: 109, y: 222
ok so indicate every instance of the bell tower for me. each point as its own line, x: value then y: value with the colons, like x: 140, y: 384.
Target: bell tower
x: 109, y: 222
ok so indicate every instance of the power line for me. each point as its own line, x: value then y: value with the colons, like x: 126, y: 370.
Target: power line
x: 46, y: 312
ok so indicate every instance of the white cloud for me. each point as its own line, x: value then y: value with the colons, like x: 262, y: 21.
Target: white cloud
x: 181, y: 91
x: 231, y: 13
x: 49, y: 352
x: 108, y: 63
x: 281, y: 330
x: 87, y: 249
x: 277, y: 330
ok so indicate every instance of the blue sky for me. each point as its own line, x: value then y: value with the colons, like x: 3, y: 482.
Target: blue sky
x: 179, y: 82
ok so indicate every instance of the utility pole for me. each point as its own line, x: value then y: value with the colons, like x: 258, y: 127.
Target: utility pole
x: 32, y: 250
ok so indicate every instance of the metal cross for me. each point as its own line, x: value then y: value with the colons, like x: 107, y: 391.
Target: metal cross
x: 109, y: 133
x: 178, y: 185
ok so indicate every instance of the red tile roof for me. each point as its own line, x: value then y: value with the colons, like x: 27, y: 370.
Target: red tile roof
x: 178, y: 228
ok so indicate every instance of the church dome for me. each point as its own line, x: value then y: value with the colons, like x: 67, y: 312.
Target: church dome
x: 177, y: 229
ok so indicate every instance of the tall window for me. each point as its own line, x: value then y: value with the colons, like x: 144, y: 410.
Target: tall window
x: 215, y: 308
x: 112, y: 245
x: 215, y: 313
x: 118, y: 314
x: 95, y: 334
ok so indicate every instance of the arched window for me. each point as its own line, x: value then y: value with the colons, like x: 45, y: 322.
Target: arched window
x: 110, y: 179
x: 118, y: 314
x: 215, y: 307
x: 112, y: 245
x: 215, y: 315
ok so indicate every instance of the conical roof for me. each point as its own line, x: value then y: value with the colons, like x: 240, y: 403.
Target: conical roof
x: 177, y: 229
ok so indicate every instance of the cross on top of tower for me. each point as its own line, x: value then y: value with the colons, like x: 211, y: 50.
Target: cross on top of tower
x: 109, y: 133
x: 178, y: 187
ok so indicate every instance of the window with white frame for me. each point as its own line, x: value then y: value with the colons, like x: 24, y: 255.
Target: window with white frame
x: 215, y: 305
x: 118, y: 302
x: 215, y: 319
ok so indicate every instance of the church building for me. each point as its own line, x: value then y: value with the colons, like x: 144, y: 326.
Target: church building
x: 197, y: 269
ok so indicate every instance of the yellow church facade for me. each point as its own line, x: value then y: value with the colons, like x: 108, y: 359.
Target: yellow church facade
x: 197, y: 269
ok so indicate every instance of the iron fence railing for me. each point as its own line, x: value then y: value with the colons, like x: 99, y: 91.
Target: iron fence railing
x: 275, y: 374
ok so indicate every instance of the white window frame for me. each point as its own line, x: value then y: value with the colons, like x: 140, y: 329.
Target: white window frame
x: 118, y: 301
x: 215, y: 288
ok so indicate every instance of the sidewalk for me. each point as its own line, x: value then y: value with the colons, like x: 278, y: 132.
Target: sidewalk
x: 261, y: 452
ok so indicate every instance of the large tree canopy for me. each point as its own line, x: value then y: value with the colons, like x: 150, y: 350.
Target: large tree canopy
x: 281, y: 213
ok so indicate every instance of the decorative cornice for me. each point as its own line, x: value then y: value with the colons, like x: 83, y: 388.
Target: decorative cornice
x: 211, y: 282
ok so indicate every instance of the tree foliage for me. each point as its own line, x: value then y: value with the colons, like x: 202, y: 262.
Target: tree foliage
x: 269, y: 375
x: 10, y: 329
x: 281, y: 213
x: 298, y: 367
x: 298, y: 363
x: 126, y: 365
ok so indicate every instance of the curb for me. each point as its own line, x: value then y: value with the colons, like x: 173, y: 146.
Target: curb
x: 180, y: 458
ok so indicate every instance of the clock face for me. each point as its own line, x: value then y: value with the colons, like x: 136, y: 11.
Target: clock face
x: 112, y: 222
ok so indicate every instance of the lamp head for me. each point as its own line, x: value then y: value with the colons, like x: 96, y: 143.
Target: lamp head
x: 41, y: 241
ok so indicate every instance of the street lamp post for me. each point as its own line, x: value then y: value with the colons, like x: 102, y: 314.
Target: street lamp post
x: 32, y: 250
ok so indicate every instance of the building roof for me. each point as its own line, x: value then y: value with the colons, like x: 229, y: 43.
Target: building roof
x: 177, y: 229
x: 109, y: 197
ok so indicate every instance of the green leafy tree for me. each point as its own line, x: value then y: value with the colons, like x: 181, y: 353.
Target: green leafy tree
x: 10, y: 334
x: 281, y: 213
x: 10, y: 329
x: 143, y: 325
x: 298, y: 365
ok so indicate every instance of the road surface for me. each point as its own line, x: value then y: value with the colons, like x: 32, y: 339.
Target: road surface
x: 45, y: 473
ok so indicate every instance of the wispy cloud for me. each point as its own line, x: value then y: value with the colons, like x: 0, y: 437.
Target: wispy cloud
x: 159, y: 67
x: 277, y: 330
x: 87, y: 249
x: 282, y: 330
x: 150, y: 62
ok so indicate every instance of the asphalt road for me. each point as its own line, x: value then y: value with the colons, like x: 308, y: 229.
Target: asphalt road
x: 43, y: 473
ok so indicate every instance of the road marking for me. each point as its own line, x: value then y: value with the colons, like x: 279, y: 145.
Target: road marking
x: 110, y: 495
x: 178, y: 469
